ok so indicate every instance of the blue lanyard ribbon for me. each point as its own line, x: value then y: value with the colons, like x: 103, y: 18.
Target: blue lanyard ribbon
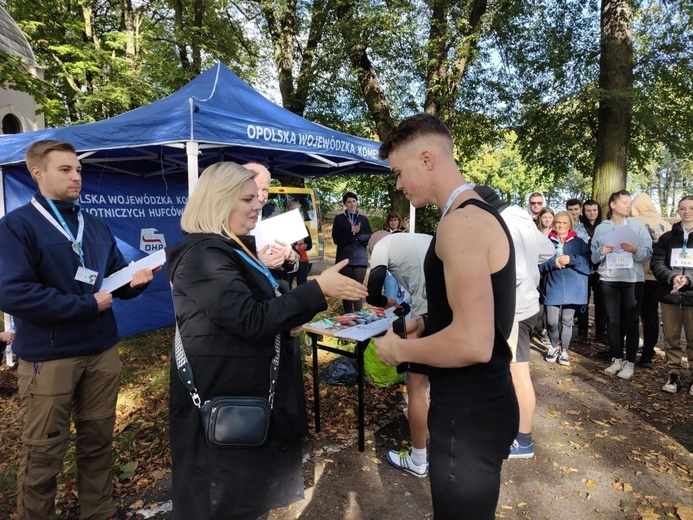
x: 76, y: 242
x: 261, y: 268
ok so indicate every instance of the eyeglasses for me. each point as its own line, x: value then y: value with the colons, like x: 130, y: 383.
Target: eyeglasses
x: 536, y: 203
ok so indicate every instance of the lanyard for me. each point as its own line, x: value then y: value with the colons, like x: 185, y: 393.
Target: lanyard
x: 353, y: 220
x: 62, y: 227
x: 256, y: 263
x: 686, y: 232
x: 454, y: 194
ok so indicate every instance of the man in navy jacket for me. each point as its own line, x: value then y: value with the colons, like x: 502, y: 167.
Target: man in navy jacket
x: 52, y: 263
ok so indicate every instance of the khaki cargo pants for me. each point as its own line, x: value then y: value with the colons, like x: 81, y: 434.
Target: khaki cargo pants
x: 674, y: 318
x: 86, y: 389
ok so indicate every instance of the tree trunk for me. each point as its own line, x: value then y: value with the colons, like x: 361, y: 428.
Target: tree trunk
x: 615, y: 104
x: 179, y: 35
x: 198, y: 26
x: 129, y: 24
x: 444, y: 73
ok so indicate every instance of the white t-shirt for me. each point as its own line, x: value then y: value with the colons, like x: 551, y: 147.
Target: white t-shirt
x: 403, y: 255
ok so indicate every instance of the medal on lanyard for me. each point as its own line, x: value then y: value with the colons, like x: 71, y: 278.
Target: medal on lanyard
x: 352, y: 221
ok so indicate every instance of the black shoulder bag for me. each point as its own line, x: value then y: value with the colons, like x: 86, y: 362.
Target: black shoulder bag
x: 229, y: 421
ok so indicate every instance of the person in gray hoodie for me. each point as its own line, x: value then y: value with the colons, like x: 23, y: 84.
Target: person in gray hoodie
x: 621, y: 278
x: 644, y: 210
x: 532, y: 248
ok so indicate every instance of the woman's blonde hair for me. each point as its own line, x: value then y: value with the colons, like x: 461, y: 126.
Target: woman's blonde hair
x: 216, y: 194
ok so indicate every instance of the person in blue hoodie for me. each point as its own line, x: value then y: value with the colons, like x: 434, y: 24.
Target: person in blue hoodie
x: 351, y: 232
x: 565, y: 285
x: 52, y: 264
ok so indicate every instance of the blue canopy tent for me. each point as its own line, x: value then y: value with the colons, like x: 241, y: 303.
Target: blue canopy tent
x: 139, y: 167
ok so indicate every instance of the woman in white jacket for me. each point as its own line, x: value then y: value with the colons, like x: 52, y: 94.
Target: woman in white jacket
x: 622, y: 280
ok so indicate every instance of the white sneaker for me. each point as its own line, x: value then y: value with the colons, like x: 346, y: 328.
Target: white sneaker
x: 627, y: 370
x: 673, y: 385
x: 563, y: 359
x: 551, y: 355
x: 616, y: 366
x: 402, y: 460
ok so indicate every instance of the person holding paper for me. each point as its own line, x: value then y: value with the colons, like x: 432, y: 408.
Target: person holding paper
x: 277, y: 255
x: 672, y: 265
x: 52, y: 263
x: 232, y: 320
x: 620, y: 245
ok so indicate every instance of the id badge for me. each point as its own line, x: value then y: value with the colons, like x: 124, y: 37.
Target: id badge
x: 622, y: 260
x: 680, y: 258
x: 85, y: 275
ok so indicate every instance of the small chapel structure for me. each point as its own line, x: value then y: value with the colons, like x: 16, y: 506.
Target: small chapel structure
x: 18, y: 110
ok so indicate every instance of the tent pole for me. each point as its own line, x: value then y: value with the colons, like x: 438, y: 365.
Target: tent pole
x: 412, y: 218
x: 2, y: 193
x: 192, y: 149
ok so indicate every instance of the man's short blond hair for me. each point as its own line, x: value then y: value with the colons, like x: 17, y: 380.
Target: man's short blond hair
x: 37, y: 153
x: 217, y: 192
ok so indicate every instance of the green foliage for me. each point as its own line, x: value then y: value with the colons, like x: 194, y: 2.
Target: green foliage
x: 524, y: 114
x: 97, y: 68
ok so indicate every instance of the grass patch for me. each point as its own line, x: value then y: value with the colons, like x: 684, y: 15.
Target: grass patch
x: 141, y: 445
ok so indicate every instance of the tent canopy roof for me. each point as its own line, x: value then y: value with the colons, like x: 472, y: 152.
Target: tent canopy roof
x: 228, y: 120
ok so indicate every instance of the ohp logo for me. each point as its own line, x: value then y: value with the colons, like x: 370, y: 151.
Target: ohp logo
x: 151, y: 241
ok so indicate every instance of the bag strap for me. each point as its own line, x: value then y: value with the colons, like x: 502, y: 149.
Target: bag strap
x: 186, y: 375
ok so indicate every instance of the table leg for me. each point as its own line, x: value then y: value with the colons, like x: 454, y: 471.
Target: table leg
x: 316, y: 382
x: 360, y: 349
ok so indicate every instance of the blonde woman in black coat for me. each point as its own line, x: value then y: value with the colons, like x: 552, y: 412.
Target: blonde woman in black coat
x: 229, y: 312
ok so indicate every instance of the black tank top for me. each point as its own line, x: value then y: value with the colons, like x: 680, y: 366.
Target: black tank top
x: 440, y: 314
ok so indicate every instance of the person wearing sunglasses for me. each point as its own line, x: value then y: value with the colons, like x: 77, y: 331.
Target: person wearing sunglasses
x: 536, y: 202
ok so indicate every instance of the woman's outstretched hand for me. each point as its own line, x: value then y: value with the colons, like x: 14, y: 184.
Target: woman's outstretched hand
x: 338, y: 286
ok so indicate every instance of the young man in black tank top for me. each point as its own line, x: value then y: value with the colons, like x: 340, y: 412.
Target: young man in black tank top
x: 470, y: 280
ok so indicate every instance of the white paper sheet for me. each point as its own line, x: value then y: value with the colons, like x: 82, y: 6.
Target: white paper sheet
x: 619, y: 235
x: 120, y: 278
x: 365, y: 331
x: 287, y: 227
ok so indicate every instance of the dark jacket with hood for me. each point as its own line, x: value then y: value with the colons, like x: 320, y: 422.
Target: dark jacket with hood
x: 665, y: 273
x: 56, y: 316
x: 228, y: 317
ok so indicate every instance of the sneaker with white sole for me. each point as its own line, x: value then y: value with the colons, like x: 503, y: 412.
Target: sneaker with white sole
x: 627, y: 371
x: 673, y: 385
x: 563, y: 359
x: 521, y: 452
x: 551, y: 355
x: 615, y: 367
x: 402, y: 460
